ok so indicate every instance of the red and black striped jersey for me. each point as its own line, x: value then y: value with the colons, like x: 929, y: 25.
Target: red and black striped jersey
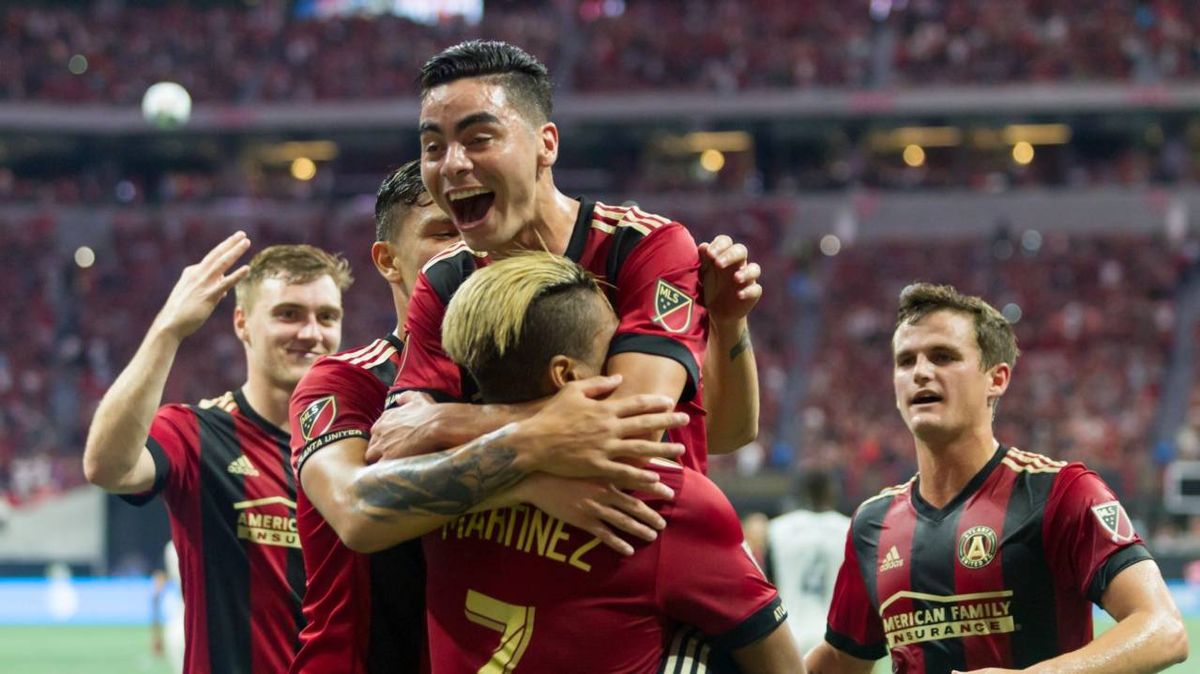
x: 225, y: 474
x: 653, y: 270
x: 516, y: 590
x: 364, y: 613
x: 1003, y: 576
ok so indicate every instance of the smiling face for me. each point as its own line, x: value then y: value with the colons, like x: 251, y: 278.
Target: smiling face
x: 483, y: 161
x: 287, y: 326
x: 942, y: 389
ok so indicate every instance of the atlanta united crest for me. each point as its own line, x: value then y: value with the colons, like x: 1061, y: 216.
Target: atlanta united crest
x: 977, y: 547
x: 318, y: 417
x: 1115, y: 521
x: 672, y: 307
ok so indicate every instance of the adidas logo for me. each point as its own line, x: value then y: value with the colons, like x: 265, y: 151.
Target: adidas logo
x: 891, y: 560
x: 242, y: 466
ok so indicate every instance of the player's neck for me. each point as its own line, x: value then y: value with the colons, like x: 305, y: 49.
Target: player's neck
x: 946, y: 467
x: 270, y: 402
x: 400, y: 302
x: 552, y: 224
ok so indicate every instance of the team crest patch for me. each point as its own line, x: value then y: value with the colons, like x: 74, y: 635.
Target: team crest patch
x: 977, y: 547
x: 672, y: 307
x: 1115, y: 521
x: 316, y: 419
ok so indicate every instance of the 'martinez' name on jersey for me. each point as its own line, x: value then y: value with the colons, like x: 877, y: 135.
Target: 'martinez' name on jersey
x: 515, y: 590
x: 653, y: 268
x: 1002, y: 576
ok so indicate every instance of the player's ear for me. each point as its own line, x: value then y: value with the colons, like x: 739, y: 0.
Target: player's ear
x: 239, y: 324
x: 386, y: 261
x: 998, y: 377
x: 563, y: 370
x: 547, y: 145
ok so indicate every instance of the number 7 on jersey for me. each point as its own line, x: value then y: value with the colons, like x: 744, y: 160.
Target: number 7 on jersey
x: 514, y: 623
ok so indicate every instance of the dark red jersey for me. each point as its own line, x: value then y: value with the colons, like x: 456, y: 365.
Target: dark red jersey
x: 225, y: 475
x: 653, y: 268
x: 1003, y: 576
x: 365, y: 613
x: 516, y: 590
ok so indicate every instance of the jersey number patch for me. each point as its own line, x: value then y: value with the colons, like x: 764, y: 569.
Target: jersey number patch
x: 514, y: 623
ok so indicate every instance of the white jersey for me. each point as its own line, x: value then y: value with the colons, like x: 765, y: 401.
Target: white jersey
x: 804, y: 552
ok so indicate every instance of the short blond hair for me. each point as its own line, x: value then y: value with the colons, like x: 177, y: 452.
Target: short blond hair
x: 294, y: 264
x: 508, y: 320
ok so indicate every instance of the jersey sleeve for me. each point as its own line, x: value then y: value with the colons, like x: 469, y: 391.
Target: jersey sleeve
x: 1088, y: 536
x: 174, y: 444
x: 853, y: 626
x: 334, y: 401
x: 658, y: 286
x: 424, y: 366
x: 706, y: 576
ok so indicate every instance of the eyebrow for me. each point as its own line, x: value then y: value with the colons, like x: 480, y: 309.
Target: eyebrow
x: 469, y: 120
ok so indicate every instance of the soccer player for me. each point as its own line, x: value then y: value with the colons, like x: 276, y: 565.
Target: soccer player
x: 516, y: 589
x: 488, y: 150
x: 366, y: 612
x: 990, y: 558
x: 804, y: 549
x: 222, y: 465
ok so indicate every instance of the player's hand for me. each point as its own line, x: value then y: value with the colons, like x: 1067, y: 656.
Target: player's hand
x: 409, y: 429
x: 730, y: 280
x: 599, y: 509
x: 417, y: 425
x: 988, y: 670
x: 201, y: 286
x: 579, y: 434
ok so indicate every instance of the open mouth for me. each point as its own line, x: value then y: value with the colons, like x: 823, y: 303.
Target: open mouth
x: 471, y: 206
x: 925, y: 398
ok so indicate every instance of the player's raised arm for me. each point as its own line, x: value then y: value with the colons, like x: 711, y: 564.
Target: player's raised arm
x: 115, y: 457
x: 731, y: 291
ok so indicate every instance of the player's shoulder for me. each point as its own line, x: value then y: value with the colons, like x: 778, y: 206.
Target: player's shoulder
x: 226, y: 402
x: 877, y: 505
x: 629, y: 217
x: 447, y: 270
x: 362, y: 360
x: 698, y: 501
x: 1020, y: 461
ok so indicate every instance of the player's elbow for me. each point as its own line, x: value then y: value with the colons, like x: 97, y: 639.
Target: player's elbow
x: 359, y: 538
x: 1175, y: 639
x: 98, y: 472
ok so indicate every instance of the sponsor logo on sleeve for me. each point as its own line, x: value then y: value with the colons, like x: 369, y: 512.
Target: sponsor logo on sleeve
x: 673, y: 308
x: 316, y: 419
x: 1114, y: 520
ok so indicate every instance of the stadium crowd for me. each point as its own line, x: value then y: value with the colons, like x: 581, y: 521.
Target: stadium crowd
x: 110, y: 51
x: 1094, y: 316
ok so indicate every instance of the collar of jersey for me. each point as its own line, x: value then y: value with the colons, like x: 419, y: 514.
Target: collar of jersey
x: 579, y: 235
x: 937, y: 514
x: 258, y: 419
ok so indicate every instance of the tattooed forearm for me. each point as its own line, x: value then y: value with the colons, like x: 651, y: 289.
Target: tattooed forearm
x: 447, y: 483
x: 743, y: 343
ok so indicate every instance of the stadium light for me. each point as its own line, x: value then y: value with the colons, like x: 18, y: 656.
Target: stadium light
x: 712, y: 160
x: 304, y: 169
x: 914, y: 156
x: 85, y: 257
x: 1022, y: 153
